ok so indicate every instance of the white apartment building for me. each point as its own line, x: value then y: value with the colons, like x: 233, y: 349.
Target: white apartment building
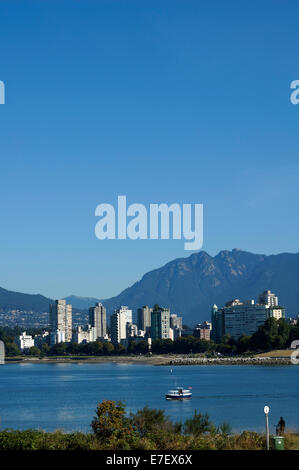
x: 85, y: 335
x: 97, y: 319
x: 61, y: 319
x: 132, y: 330
x: 268, y: 298
x: 24, y: 341
x: 119, y: 320
x: 57, y: 336
x: 238, y: 318
x: 175, y: 321
x: 244, y: 318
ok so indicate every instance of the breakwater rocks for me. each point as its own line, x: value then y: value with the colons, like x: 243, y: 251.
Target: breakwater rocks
x: 192, y: 361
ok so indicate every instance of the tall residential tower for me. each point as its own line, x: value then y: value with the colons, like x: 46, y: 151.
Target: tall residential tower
x: 97, y: 319
x: 119, y: 321
x: 160, y: 328
x: 61, y: 320
x: 144, y: 318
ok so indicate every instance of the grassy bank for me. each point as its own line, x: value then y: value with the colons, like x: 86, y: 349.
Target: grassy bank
x: 39, y: 440
x: 280, y: 353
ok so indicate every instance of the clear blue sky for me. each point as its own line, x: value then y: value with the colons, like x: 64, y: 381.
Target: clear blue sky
x: 162, y: 101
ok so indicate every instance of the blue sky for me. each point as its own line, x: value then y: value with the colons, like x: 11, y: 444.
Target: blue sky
x: 161, y: 101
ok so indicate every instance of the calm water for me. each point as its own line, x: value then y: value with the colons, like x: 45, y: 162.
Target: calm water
x: 51, y: 396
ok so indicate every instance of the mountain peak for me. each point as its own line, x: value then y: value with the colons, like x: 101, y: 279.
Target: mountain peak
x: 190, y: 286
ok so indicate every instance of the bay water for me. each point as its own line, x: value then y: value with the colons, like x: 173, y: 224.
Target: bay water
x: 64, y: 396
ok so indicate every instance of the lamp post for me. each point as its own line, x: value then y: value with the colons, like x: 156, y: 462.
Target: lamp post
x: 2, y: 353
x: 266, y: 411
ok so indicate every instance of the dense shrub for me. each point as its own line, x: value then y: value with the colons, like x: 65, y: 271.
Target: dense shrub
x: 111, y: 426
x: 39, y: 440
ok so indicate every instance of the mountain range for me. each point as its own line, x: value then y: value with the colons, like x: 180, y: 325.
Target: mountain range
x: 190, y: 286
x: 82, y: 303
x: 10, y: 300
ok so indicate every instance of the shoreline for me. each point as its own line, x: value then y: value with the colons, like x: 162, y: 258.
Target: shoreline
x: 152, y: 360
x: 156, y: 360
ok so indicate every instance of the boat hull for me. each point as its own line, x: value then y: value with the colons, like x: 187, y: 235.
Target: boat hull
x: 178, y: 397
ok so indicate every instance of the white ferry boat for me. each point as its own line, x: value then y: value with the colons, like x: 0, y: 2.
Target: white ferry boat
x: 179, y: 393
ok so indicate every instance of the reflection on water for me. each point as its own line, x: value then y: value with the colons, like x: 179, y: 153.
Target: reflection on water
x: 65, y: 396
x: 65, y: 415
x: 65, y: 377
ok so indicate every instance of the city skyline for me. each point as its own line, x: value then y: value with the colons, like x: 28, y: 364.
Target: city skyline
x: 235, y: 320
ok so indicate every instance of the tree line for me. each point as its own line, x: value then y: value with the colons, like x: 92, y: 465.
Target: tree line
x: 274, y: 334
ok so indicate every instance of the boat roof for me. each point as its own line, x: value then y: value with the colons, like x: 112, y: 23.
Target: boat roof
x: 179, y: 388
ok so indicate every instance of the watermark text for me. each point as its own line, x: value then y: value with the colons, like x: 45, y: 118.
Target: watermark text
x: 161, y: 221
x: 2, y: 92
x: 295, y: 94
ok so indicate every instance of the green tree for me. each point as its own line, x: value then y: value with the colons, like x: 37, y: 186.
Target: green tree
x: 142, y: 347
x: 111, y: 423
x: 225, y: 348
x: 11, y: 349
x: 157, y: 346
x: 225, y: 429
x: 198, y: 424
x: 99, y: 348
x: 45, y: 349
x: 266, y: 336
x: 59, y: 349
x: 132, y: 347
x: 284, y: 330
x: 34, y: 351
x: 273, y: 334
x: 226, y: 338
x: 166, y: 346
x: 120, y: 349
x: 108, y: 348
x: 243, y: 343
x: 73, y: 348
x: 94, y: 349
x: 294, y: 334
x: 150, y: 422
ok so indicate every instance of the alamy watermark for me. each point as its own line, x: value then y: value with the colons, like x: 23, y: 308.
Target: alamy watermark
x: 2, y: 92
x: 295, y: 354
x: 160, y: 222
x: 295, y: 94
